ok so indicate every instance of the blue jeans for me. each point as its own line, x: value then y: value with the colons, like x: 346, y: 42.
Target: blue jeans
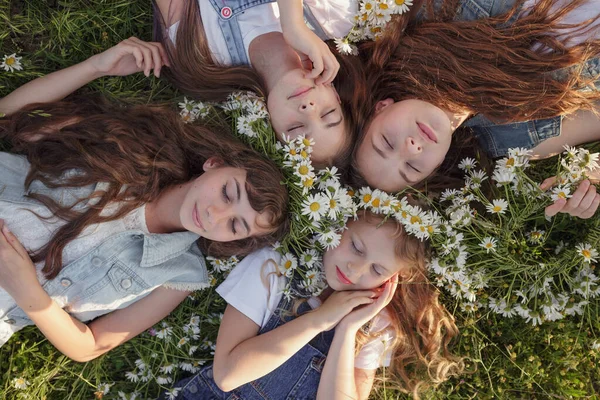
x: 297, y: 378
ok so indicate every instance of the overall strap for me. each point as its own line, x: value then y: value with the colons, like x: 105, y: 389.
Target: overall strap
x: 313, y: 23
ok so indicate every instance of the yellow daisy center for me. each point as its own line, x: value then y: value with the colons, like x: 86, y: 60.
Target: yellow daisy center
x: 586, y: 253
x: 364, y: 17
x: 10, y: 60
x: 510, y: 162
x: 293, y: 152
x: 489, y: 245
x: 287, y: 265
x: 497, y: 209
x: 308, y: 183
x: 306, y: 142
x: 383, y: 6
x: 314, y: 207
x: 430, y: 229
x: 399, y: 2
x: 332, y: 203
x: 367, y: 198
x: 351, y: 193
x: 368, y: 6
x: 415, y: 219
x: 562, y: 195
x: 376, y: 202
x: 304, y: 154
x: 303, y: 170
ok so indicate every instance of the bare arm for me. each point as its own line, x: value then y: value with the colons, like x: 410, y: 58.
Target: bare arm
x: 130, y: 56
x: 242, y: 356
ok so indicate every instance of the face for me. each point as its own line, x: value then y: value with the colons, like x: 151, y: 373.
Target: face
x: 216, y: 205
x: 404, y: 143
x: 365, y: 258
x: 300, y: 107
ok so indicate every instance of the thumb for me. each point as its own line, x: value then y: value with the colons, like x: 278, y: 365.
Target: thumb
x: 548, y: 183
x: 14, y: 242
x: 555, y: 207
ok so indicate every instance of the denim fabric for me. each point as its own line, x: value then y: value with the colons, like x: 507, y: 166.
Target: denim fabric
x: 121, y: 270
x: 297, y: 378
x: 496, y: 139
x: 469, y: 10
x: 231, y: 29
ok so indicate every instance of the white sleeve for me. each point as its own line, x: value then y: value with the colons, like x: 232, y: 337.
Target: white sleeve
x: 253, y: 288
x: 378, y: 351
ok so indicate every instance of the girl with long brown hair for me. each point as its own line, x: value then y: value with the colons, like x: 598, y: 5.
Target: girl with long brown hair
x: 379, y: 311
x: 518, y: 79
x: 211, y: 45
x: 116, y: 207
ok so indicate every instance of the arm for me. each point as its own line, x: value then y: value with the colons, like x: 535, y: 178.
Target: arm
x: 306, y: 43
x: 73, y: 338
x: 129, y: 56
x: 340, y: 379
x: 243, y: 356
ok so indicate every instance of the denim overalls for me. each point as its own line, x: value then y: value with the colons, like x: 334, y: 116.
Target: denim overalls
x: 495, y: 138
x: 229, y: 10
x: 297, y: 378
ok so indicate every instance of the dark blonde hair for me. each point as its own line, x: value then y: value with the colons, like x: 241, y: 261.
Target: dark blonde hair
x: 423, y: 327
x: 139, y: 151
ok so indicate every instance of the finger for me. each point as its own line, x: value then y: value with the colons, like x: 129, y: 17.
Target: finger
x: 330, y: 71
x: 548, y: 183
x: 14, y: 242
x: 575, y: 200
x: 556, y: 207
x: 156, y: 58
x: 587, y: 200
x: 592, y: 208
x: 148, y: 61
x: 163, y: 54
x: 317, y: 65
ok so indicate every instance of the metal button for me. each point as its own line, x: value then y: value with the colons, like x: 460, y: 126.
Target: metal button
x: 65, y: 282
x: 193, y: 388
x: 10, y: 321
x: 126, y: 283
x: 209, y: 373
x: 96, y: 262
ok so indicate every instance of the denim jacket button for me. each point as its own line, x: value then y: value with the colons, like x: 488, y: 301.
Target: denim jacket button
x: 209, y: 374
x: 65, y: 282
x: 96, y: 262
x: 10, y: 321
x: 226, y: 12
x: 126, y: 283
x: 193, y: 388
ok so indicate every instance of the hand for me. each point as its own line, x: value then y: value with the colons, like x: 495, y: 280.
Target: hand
x: 17, y: 272
x: 357, y: 318
x: 312, y: 50
x: 339, y: 304
x: 582, y: 204
x: 130, y: 56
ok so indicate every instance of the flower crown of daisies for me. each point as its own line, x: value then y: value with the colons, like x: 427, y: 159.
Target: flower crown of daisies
x: 320, y: 205
x: 370, y: 21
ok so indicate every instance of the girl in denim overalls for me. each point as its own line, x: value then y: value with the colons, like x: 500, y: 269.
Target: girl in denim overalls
x: 211, y: 44
x: 511, y: 77
x: 378, y: 302
x: 114, y: 206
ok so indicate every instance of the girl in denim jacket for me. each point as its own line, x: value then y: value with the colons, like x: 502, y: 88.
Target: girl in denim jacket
x: 108, y: 208
x: 272, y: 347
x: 517, y: 79
x: 211, y: 44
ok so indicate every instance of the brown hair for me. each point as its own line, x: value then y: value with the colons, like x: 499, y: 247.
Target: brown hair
x: 423, y: 327
x: 488, y: 66
x: 195, y: 73
x: 139, y: 151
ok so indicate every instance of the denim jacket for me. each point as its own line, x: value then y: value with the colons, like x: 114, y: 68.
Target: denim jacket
x: 229, y: 10
x: 121, y: 270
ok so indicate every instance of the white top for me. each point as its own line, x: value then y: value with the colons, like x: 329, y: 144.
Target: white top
x: 34, y: 232
x: 334, y: 16
x: 255, y: 289
x: 585, y: 11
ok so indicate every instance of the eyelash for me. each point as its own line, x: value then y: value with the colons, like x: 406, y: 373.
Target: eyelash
x: 355, y: 248
x: 301, y: 126
x: 375, y: 269
x: 233, y: 227
x: 387, y: 142
x: 328, y: 112
x: 410, y: 165
x: 225, y: 196
x: 295, y: 127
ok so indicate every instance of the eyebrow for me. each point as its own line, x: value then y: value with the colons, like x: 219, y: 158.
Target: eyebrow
x: 239, y: 198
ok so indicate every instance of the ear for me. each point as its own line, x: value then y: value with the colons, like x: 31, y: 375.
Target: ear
x: 381, y: 104
x: 337, y: 96
x: 211, y: 163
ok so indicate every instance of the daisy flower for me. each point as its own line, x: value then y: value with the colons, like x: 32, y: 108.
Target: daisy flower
x: 402, y: 6
x: 103, y: 388
x: 304, y: 170
x: 345, y: 48
x: 165, y: 332
x: 586, y: 251
x: 309, y: 258
x: 561, y: 192
x: 467, y: 164
x: 503, y: 176
x: 132, y: 376
x: 489, y: 243
x: 20, y: 383
x: 288, y: 264
x: 163, y: 380
x: 535, y: 236
x: 172, y: 393
x: 315, y: 206
x: 11, y: 63
x: 497, y: 206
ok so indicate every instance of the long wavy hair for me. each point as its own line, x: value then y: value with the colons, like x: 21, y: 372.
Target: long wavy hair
x: 194, y: 72
x: 139, y: 151
x: 491, y: 66
x: 423, y: 327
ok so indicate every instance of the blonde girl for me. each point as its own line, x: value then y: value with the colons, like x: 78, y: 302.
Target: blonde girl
x: 106, y: 211
x: 379, y: 311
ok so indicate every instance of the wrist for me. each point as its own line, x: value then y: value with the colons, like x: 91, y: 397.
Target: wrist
x: 33, y: 298
x: 90, y: 68
x: 346, y: 327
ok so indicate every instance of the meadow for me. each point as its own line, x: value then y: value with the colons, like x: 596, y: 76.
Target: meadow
x: 508, y: 356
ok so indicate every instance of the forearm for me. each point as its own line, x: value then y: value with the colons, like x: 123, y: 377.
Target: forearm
x: 69, y: 335
x: 337, y: 378
x: 291, y: 14
x: 51, y: 87
x: 261, y: 354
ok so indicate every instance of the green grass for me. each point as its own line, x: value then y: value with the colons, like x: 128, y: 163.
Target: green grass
x: 508, y: 358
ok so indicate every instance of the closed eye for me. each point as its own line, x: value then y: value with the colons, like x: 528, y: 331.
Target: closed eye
x: 225, y: 195
x: 387, y: 142
x: 374, y: 268
x: 355, y: 248
x: 233, y: 226
x: 295, y: 127
x: 328, y: 112
x: 413, y: 168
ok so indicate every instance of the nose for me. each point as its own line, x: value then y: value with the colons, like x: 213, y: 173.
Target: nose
x: 413, y: 145
x: 307, y: 106
x: 355, y: 270
x: 218, y: 213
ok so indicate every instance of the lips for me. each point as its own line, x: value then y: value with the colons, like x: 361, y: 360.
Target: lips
x: 300, y: 91
x: 196, y: 218
x: 342, y: 278
x: 427, y: 133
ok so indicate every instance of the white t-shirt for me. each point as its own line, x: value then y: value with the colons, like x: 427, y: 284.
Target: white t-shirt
x: 582, y: 13
x: 255, y: 290
x: 334, y: 16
